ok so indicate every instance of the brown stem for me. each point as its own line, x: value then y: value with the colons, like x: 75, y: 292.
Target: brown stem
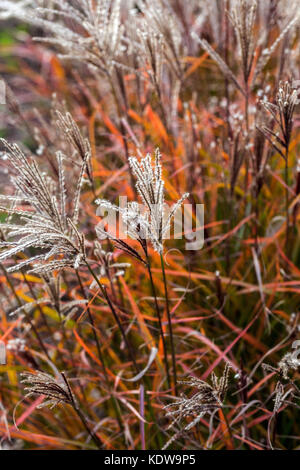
x: 169, y: 324
x: 159, y: 319
x: 286, y: 178
x: 101, y: 358
x: 76, y: 408
x: 116, y: 317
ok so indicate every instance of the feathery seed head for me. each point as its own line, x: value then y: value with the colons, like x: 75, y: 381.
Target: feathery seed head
x: 56, y: 390
x: 44, y: 224
x: 289, y: 362
x: 151, y: 222
x: 207, y: 398
x: 282, y: 112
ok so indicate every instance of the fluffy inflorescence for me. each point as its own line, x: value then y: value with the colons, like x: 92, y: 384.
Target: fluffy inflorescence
x: 42, y: 222
x: 243, y: 16
x: 16, y: 9
x: 150, y: 222
x: 287, y: 99
x: 282, y: 112
x: 285, y: 387
x: 82, y: 30
x: 289, y: 362
x: 97, y: 38
x: 161, y: 38
x: 207, y: 398
x: 56, y: 390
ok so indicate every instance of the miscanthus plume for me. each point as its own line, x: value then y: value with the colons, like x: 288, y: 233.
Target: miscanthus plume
x: 39, y: 220
x: 151, y: 221
x: 209, y: 397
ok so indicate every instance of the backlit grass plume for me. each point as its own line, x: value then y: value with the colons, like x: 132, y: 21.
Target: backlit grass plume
x: 152, y: 222
x: 95, y: 36
x: 41, y: 220
x: 282, y: 113
x: 207, y: 398
x: 57, y: 390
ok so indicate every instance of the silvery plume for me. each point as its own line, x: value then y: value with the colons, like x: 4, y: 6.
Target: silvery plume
x: 289, y: 362
x: 152, y: 220
x: 282, y: 112
x: 286, y: 14
x: 39, y: 220
x: 281, y: 393
x: 161, y: 37
x: 285, y: 390
x: 242, y: 16
x: 69, y: 129
x: 55, y: 389
x: 16, y: 9
x: 208, y: 397
x: 159, y: 42
x: 285, y: 386
x: 84, y: 30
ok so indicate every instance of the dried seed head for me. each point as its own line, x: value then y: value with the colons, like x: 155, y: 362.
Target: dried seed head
x: 280, y: 396
x: 286, y: 101
x: 243, y: 16
x: 150, y: 186
x: 289, y: 362
x: 282, y: 112
x: 44, y: 224
x: 85, y: 31
x: 55, y: 389
x: 206, y: 399
x: 149, y: 223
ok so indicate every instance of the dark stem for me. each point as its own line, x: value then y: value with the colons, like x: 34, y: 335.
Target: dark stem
x: 32, y: 293
x: 100, y: 355
x: 169, y: 324
x: 76, y: 408
x: 101, y: 358
x: 274, y: 433
x: 159, y: 319
x: 121, y: 329
x: 229, y: 429
x: 116, y: 317
x: 247, y: 107
x: 286, y: 178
